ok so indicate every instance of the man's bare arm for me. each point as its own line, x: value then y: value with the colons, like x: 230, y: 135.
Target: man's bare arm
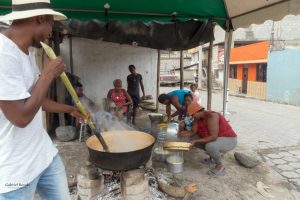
x: 54, y: 107
x: 21, y: 112
x: 142, y: 87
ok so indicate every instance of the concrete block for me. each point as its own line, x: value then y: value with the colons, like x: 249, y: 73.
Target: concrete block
x: 86, y: 183
x: 137, y: 188
x: 132, y: 177
x: 90, y: 172
x: 82, y: 197
x: 89, y: 192
x: 144, y: 196
x: 88, y: 162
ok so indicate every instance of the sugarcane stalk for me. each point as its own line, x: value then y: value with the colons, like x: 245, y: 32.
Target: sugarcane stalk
x: 50, y: 53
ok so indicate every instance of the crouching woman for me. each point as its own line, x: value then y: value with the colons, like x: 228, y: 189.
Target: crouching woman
x: 215, y: 136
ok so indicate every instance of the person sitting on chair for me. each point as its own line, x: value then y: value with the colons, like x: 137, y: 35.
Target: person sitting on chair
x: 120, y: 98
x: 90, y: 106
x: 87, y: 102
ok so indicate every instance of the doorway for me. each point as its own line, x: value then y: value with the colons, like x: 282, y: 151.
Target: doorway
x: 245, y: 79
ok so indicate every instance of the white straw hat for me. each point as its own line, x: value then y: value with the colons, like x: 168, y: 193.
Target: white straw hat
x: 22, y: 9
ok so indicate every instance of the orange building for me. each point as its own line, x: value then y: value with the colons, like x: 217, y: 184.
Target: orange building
x: 248, y: 70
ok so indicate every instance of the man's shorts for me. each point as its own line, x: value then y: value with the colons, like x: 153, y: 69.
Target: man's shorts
x: 136, y: 100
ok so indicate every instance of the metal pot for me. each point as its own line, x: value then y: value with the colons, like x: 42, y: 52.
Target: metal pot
x: 172, y: 131
x: 161, y: 154
x: 155, y: 118
x: 175, y: 164
x: 128, y: 150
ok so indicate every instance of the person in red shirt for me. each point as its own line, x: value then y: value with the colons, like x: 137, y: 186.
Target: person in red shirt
x: 120, y: 97
x: 215, y: 136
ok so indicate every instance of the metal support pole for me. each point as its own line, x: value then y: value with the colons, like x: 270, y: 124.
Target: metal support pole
x: 227, y: 47
x: 209, y: 75
x: 157, y: 79
x: 56, y: 43
x: 60, y: 88
x: 200, y: 67
x: 181, y: 70
x: 71, y: 54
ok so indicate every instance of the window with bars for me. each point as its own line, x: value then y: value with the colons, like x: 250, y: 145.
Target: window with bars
x: 261, y: 72
x: 233, y: 71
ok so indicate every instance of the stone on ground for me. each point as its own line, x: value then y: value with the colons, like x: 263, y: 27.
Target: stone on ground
x: 66, y: 133
x: 246, y: 160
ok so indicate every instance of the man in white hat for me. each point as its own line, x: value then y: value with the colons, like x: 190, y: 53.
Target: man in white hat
x: 28, y: 159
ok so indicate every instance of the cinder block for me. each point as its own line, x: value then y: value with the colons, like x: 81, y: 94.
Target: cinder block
x: 87, y: 162
x: 90, y: 172
x: 143, y: 196
x: 138, y: 188
x: 86, y: 183
x: 82, y: 197
x: 89, y: 192
x: 132, y: 177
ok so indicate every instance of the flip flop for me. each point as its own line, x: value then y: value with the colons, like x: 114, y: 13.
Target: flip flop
x: 208, y: 161
x: 214, y: 172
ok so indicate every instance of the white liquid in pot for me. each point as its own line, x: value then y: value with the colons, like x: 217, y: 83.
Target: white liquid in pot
x: 121, y: 141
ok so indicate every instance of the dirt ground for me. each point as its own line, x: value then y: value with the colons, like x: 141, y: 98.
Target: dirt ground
x: 238, y: 182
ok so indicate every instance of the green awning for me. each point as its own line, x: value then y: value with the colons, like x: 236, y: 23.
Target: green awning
x: 240, y: 13
x: 137, y: 10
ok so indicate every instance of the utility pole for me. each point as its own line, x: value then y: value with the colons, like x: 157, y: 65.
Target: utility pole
x: 209, y: 75
x: 181, y: 70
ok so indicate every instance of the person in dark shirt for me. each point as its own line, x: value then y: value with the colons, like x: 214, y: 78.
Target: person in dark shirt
x: 134, y: 81
x: 87, y: 102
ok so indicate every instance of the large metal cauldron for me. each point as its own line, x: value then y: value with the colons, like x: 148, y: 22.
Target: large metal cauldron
x: 128, y: 150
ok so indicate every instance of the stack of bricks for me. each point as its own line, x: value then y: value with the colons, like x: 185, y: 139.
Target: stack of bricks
x: 134, y: 185
x: 89, y: 183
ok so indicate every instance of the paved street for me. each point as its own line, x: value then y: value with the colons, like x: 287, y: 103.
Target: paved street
x: 259, y: 124
x: 271, y: 129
